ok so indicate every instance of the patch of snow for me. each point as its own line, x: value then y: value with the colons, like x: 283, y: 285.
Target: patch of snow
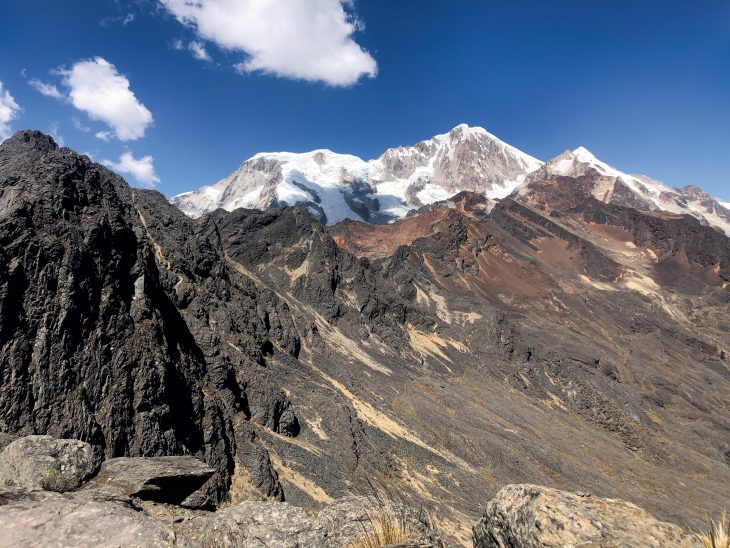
x: 432, y: 194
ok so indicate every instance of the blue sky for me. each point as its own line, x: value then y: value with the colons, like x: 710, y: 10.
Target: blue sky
x: 645, y: 85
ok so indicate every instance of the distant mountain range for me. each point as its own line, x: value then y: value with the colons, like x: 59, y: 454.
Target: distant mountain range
x: 334, y: 187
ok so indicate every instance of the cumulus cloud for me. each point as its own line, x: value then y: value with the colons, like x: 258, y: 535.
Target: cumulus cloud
x: 96, y: 88
x: 141, y: 169
x: 49, y: 90
x: 303, y: 39
x: 9, y: 110
x: 103, y: 135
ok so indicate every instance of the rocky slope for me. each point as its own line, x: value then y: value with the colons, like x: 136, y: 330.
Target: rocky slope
x: 334, y: 186
x: 439, y: 357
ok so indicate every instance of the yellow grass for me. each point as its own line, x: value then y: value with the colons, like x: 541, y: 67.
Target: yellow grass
x: 718, y: 535
x: 386, y: 527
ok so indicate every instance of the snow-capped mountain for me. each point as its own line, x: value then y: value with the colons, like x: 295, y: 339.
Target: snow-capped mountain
x: 336, y: 186
x: 590, y: 176
x: 339, y: 186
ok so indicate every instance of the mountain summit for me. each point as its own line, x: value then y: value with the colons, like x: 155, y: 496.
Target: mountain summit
x: 334, y: 187
x: 573, y: 176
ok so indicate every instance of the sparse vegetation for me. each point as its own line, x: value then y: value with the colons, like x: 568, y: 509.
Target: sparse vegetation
x: 391, y: 523
x: 717, y: 535
x: 385, y: 526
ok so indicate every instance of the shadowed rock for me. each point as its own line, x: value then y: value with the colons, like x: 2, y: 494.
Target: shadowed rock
x: 172, y: 480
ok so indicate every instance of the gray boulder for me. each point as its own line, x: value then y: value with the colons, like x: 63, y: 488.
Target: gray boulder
x: 531, y: 516
x: 46, y: 463
x: 43, y: 518
x: 94, y: 517
x: 172, y: 480
x: 255, y: 524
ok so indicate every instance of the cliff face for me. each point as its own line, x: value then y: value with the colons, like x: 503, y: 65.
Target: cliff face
x: 440, y: 357
x: 108, y: 298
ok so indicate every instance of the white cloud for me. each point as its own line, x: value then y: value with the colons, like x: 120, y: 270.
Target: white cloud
x: 195, y: 47
x: 96, y: 88
x: 54, y: 130
x: 78, y: 124
x: 9, y: 110
x: 198, y: 50
x: 49, y: 90
x: 124, y: 20
x: 103, y: 135
x: 305, y: 39
x: 141, y: 169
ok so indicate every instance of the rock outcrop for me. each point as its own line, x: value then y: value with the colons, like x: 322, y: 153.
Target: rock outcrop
x: 146, y: 501
x: 173, y: 480
x: 531, y: 516
x: 45, y: 463
x: 48, y: 519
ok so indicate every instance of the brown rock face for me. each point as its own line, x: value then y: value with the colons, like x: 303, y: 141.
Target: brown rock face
x: 531, y: 516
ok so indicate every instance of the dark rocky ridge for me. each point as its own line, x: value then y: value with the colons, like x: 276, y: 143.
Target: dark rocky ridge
x: 107, y: 295
x: 472, y: 356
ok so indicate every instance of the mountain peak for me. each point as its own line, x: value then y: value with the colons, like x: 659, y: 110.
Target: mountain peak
x: 584, y: 155
x: 335, y: 186
x: 31, y: 139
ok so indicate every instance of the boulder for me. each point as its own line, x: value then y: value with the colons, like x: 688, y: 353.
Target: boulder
x: 43, y: 518
x: 255, y: 524
x: 46, y: 463
x: 533, y: 516
x: 172, y: 480
x: 95, y: 517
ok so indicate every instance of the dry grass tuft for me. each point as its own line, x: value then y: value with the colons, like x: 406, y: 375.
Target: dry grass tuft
x: 387, y: 526
x: 717, y: 535
x: 390, y: 523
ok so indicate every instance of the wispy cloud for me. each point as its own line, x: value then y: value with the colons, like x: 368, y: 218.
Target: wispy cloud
x: 141, y: 169
x: 124, y: 20
x: 302, y: 39
x: 9, y: 110
x: 198, y: 50
x: 54, y: 130
x: 79, y: 125
x: 49, y: 90
x: 196, y: 47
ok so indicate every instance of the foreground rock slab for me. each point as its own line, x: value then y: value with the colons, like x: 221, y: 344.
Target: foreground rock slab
x: 45, y: 463
x: 97, y: 518
x: 171, y: 480
x: 52, y: 519
x: 533, y: 516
